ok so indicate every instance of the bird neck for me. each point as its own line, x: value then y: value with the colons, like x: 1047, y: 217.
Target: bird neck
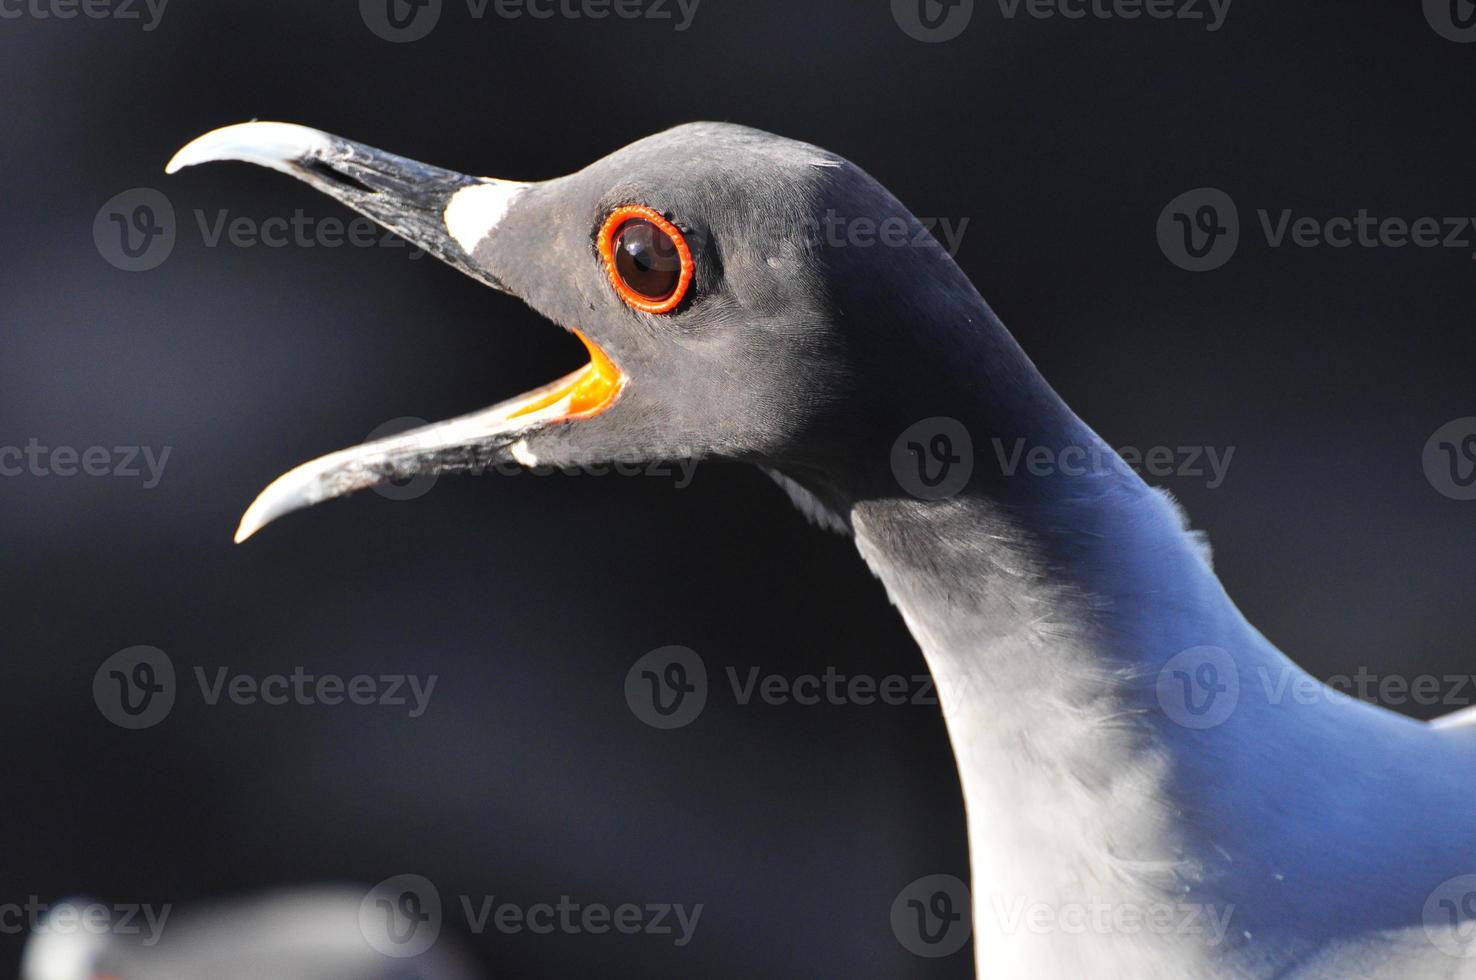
x: 1044, y: 625
x: 1047, y: 602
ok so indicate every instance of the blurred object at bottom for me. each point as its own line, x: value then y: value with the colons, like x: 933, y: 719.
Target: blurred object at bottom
x: 313, y: 934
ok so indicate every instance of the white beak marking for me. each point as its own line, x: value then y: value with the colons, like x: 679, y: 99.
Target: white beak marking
x: 474, y: 211
x: 523, y: 454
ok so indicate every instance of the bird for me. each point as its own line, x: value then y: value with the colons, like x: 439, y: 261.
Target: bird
x: 321, y: 933
x: 1152, y: 788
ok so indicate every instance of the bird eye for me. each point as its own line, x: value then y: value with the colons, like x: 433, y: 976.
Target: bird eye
x: 646, y: 258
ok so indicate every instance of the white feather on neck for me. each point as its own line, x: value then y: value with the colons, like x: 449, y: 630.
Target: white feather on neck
x: 1065, y: 793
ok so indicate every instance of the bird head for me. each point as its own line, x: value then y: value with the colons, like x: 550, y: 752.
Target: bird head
x: 710, y: 271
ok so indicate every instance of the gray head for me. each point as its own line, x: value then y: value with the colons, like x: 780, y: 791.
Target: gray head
x: 713, y: 272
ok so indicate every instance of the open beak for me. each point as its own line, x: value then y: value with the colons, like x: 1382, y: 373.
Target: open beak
x: 447, y: 214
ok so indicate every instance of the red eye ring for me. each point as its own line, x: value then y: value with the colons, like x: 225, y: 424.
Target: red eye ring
x: 606, y: 243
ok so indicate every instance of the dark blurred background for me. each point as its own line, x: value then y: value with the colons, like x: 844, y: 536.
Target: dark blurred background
x: 529, y: 777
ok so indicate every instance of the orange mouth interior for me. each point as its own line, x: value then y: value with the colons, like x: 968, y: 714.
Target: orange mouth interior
x: 585, y: 393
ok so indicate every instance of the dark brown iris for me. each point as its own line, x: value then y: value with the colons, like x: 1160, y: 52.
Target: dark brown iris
x: 646, y: 259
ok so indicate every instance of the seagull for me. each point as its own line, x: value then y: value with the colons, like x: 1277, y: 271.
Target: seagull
x: 1153, y: 789
x: 299, y: 934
